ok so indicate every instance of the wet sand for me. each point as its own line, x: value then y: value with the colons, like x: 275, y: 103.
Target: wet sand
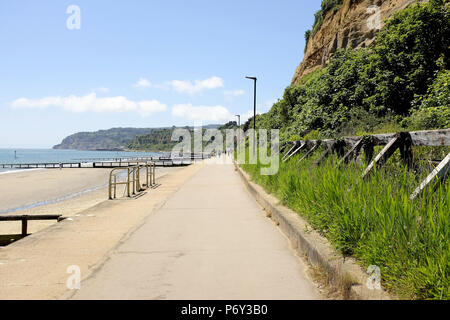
x: 26, y: 188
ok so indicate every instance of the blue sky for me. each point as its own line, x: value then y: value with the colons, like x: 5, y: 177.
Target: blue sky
x: 141, y: 63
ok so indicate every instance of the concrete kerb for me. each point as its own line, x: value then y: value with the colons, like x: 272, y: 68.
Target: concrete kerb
x: 342, y: 272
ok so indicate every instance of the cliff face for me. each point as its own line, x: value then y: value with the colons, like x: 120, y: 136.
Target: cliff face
x: 353, y: 25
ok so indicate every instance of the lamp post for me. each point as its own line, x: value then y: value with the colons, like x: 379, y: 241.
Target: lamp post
x: 254, y: 111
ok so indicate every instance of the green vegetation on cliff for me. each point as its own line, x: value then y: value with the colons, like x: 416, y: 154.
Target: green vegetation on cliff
x: 326, y: 6
x: 319, y: 16
x: 161, y: 139
x: 112, y: 139
x: 157, y: 140
x: 139, y: 139
x: 399, y: 82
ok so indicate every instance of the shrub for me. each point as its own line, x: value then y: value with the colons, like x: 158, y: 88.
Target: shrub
x: 307, y: 36
x: 326, y: 6
x: 432, y: 111
x: 361, y: 90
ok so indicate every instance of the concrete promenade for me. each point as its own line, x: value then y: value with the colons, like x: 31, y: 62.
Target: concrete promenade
x: 209, y: 240
x: 199, y: 235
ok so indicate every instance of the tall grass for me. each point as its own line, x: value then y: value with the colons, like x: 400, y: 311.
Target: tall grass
x: 373, y: 220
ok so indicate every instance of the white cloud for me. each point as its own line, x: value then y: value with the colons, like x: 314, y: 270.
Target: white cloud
x: 268, y: 105
x: 261, y: 109
x: 91, y: 102
x: 233, y: 93
x: 247, y: 115
x: 101, y: 90
x: 216, y: 114
x: 197, y: 86
x: 148, y: 107
x: 188, y: 87
x: 142, y: 83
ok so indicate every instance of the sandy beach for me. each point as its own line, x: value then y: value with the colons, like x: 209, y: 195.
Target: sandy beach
x: 84, y: 188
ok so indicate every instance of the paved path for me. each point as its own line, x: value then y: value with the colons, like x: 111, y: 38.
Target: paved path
x: 209, y: 240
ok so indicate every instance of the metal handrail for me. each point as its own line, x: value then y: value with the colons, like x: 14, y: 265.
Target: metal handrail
x: 133, y: 182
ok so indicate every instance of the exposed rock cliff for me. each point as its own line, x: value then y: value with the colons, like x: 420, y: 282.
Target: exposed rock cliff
x: 354, y: 25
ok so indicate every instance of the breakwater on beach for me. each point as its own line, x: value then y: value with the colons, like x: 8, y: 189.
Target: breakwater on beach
x: 51, y: 155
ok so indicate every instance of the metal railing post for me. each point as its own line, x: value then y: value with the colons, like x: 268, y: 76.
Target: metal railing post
x: 134, y: 180
x: 152, y: 173
x: 139, y: 178
x: 128, y: 182
x: 115, y: 186
x: 149, y: 172
x: 110, y: 186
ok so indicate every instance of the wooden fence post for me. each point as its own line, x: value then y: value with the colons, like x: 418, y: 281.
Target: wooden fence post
x: 440, y: 172
x: 368, y: 149
x: 406, y: 149
x: 289, y: 151
x: 293, y: 153
x: 352, y: 153
x: 311, y: 150
x: 325, y: 154
x: 401, y: 140
x: 24, y: 227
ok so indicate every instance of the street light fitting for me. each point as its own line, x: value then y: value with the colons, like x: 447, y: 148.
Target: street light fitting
x: 254, y: 112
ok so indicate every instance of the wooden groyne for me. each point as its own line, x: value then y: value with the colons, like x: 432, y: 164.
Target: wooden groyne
x: 109, y: 162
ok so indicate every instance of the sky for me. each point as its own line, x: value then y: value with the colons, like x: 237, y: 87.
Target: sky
x: 86, y: 65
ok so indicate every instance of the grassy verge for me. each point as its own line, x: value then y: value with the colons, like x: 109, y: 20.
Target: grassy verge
x: 373, y: 220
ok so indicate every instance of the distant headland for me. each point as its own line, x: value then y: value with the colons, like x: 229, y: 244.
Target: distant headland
x: 123, y: 139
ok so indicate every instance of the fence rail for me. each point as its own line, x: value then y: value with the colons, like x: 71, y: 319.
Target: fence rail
x: 133, y: 179
x: 403, y: 141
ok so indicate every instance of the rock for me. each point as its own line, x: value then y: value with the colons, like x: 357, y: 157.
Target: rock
x: 354, y: 25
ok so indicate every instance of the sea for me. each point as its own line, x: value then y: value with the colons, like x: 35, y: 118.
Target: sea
x: 54, y: 155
